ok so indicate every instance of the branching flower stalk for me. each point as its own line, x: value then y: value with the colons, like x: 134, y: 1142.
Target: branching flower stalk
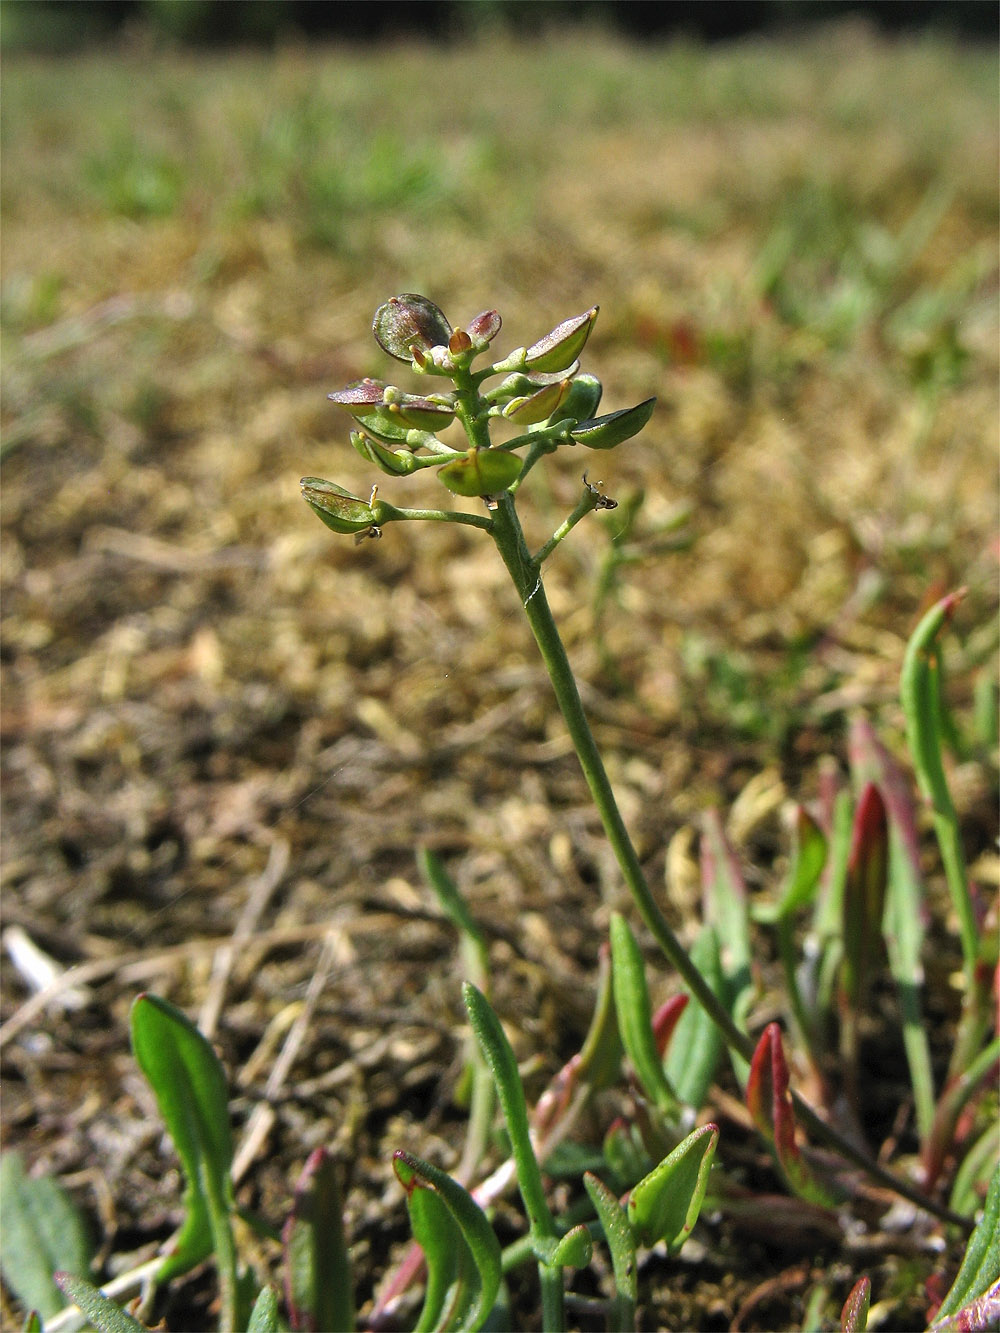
x: 542, y: 389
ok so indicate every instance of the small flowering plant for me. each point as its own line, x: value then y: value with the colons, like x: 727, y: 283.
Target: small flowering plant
x: 854, y: 867
x: 540, y: 392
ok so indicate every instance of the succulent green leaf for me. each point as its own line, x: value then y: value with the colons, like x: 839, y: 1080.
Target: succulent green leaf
x: 864, y: 893
x: 190, y: 1086
x: 601, y: 1053
x: 103, y: 1314
x: 621, y: 1243
x: 340, y: 510
x: 461, y: 1249
x: 41, y: 1232
x: 499, y: 1056
x: 635, y: 1018
x: 696, y: 1047
x: 563, y: 345
x: 808, y: 860
x: 974, y: 1299
x: 608, y: 431
x: 770, y: 1105
x: 574, y: 1250
x: 481, y: 472
x: 409, y: 321
x: 264, y: 1316
x: 666, y: 1203
x: 317, y: 1266
x: 854, y: 1315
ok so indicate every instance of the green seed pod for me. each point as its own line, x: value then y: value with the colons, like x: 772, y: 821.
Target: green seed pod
x: 538, y: 406
x: 338, y: 509
x: 606, y: 432
x: 581, y: 402
x: 563, y: 345
x: 481, y: 472
x: 394, y: 463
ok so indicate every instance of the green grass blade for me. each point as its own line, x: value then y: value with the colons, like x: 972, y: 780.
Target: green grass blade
x: 317, y: 1265
x: 103, y: 1314
x: 190, y: 1086
x: 461, y: 1249
x: 635, y: 1016
x: 621, y: 1243
x: 41, y: 1232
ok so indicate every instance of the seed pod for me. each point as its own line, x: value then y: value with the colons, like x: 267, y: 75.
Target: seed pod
x: 563, y: 345
x: 481, y: 472
x: 338, y: 509
x: 538, y: 406
x: 409, y: 321
x: 394, y: 463
x: 606, y: 432
x: 581, y: 402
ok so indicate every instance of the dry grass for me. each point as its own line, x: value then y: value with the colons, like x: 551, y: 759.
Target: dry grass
x: 794, y: 247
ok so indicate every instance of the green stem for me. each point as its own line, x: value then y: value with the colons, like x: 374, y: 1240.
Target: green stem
x: 509, y: 537
x: 586, y: 506
x: 386, y: 512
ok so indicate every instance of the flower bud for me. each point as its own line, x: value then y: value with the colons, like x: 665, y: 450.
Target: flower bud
x: 481, y: 472
x: 338, y: 509
x: 563, y: 345
x: 484, y: 328
x: 606, y: 432
x: 539, y: 405
x: 407, y: 322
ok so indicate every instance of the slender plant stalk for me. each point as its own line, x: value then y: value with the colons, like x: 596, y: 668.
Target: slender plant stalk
x: 525, y: 573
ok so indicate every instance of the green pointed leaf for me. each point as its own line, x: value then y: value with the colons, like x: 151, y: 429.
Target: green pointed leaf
x: 696, y: 1046
x: 635, y: 1018
x: 574, y: 1250
x: 317, y: 1265
x: 621, y: 1243
x: 608, y: 431
x: 808, y: 859
x: 973, y: 1303
x: 666, y: 1203
x: 190, y: 1086
x: 41, y: 1232
x: 461, y: 1249
x: 104, y: 1315
x: 264, y: 1316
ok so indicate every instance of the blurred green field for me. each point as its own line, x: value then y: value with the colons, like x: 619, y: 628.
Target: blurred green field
x: 794, y: 246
